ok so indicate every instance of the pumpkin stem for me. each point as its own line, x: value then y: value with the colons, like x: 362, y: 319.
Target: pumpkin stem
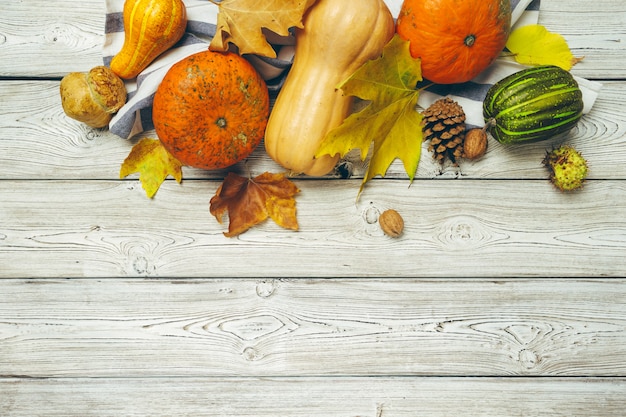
x: 221, y: 122
x: 469, y: 40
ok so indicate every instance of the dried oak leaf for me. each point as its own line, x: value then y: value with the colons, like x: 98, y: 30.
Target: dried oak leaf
x: 241, y: 22
x: 153, y: 163
x: 249, y: 201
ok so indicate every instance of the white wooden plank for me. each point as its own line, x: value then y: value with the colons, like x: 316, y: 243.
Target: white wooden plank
x: 180, y: 328
x: 43, y: 40
x: 458, y: 228
x: 337, y: 397
x: 37, y: 140
x: 594, y: 31
x: 198, y: 339
x: 70, y: 35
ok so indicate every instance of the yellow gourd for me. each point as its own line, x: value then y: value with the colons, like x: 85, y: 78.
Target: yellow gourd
x: 92, y: 97
x: 150, y: 28
x: 337, y: 38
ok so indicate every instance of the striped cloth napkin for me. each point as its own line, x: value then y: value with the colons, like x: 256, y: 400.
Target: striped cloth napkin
x: 136, y: 115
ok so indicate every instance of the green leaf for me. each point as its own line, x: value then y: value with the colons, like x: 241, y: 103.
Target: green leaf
x: 535, y: 45
x: 390, y: 122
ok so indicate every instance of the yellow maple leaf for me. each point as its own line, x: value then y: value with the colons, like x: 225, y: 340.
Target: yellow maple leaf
x: 535, y: 45
x: 390, y: 121
x: 241, y: 22
x: 153, y: 163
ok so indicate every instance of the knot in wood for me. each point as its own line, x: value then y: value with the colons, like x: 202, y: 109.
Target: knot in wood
x: 528, y: 359
x: 265, y: 289
x: 371, y: 215
x: 250, y: 354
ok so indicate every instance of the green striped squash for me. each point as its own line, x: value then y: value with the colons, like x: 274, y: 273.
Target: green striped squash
x: 533, y: 104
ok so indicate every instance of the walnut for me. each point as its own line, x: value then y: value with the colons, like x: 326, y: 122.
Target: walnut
x: 391, y: 223
x: 475, y: 144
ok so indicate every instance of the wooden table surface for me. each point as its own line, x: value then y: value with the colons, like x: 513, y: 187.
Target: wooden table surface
x: 504, y: 297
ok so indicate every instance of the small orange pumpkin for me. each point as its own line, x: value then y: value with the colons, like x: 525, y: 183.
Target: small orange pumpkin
x: 211, y: 109
x: 455, y: 39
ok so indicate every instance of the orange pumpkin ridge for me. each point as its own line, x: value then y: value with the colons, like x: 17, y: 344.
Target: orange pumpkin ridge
x: 211, y: 109
x: 455, y: 39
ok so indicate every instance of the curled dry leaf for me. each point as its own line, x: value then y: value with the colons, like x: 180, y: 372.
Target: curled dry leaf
x: 249, y: 201
x: 241, y: 22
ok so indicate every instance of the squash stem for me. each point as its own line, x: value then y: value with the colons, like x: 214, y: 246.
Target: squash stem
x: 491, y: 122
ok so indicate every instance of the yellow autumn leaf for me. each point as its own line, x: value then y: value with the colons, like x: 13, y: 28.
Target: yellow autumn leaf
x: 390, y: 123
x: 153, y: 163
x: 535, y: 45
x: 242, y: 22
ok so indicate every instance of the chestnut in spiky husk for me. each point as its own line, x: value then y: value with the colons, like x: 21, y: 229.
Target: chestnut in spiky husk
x: 568, y: 169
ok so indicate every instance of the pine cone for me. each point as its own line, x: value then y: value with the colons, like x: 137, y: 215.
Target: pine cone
x: 444, y: 127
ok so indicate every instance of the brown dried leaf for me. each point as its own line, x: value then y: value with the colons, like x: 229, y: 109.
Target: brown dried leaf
x: 241, y: 22
x: 251, y: 201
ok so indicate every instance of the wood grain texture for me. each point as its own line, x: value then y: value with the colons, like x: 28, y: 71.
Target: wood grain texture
x: 503, y: 297
x: 52, y: 41
x: 181, y: 328
x: 314, y: 397
x: 40, y: 40
x: 595, y: 31
x: 37, y: 140
x: 453, y: 229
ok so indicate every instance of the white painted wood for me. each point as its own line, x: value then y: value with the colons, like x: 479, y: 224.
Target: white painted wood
x: 314, y: 397
x: 37, y: 140
x: 44, y: 39
x: 593, y: 30
x: 294, y: 328
x: 452, y: 229
x: 53, y: 40
x: 112, y: 304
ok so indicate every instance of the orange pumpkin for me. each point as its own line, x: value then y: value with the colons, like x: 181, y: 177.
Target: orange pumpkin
x: 455, y: 39
x: 211, y: 109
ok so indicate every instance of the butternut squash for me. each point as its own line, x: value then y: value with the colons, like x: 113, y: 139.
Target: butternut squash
x: 150, y: 28
x: 337, y: 38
